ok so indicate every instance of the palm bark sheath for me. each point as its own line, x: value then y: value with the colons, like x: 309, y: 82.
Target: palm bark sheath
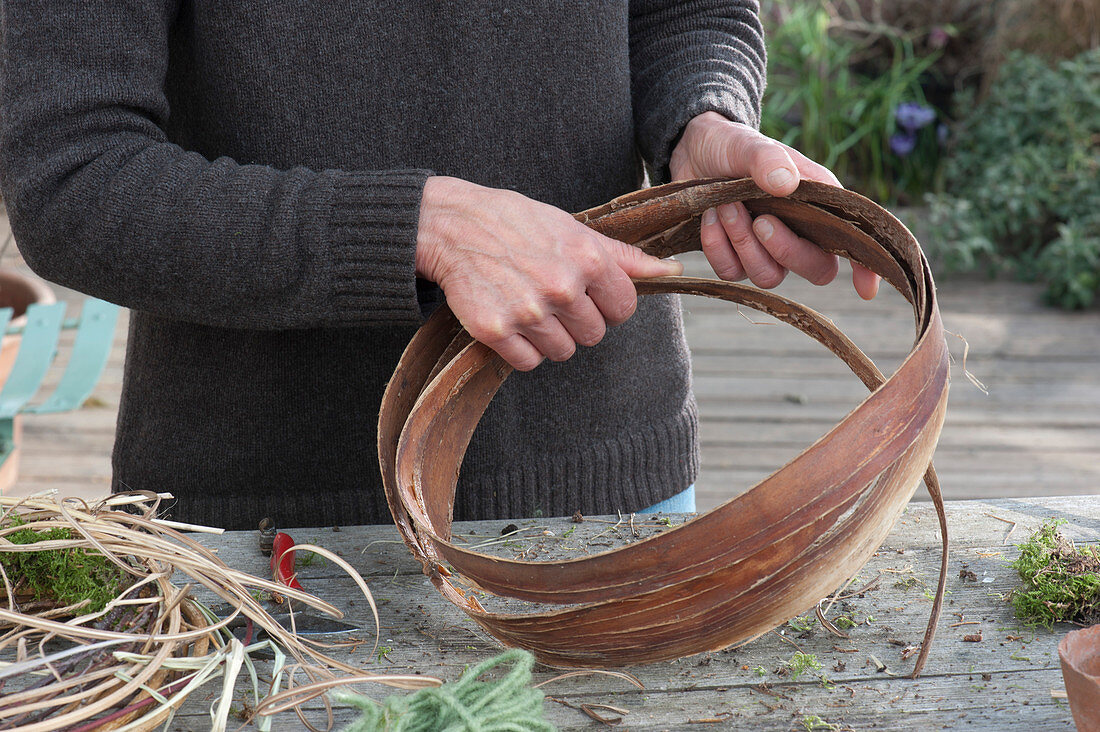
x: 755, y: 561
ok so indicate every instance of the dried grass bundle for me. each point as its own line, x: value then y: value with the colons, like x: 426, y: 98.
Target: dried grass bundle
x: 129, y: 658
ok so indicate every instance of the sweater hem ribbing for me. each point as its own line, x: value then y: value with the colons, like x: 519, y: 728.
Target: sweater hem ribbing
x: 626, y: 473
x: 637, y: 470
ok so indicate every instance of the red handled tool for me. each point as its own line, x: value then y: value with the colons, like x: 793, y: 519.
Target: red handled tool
x: 282, y: 561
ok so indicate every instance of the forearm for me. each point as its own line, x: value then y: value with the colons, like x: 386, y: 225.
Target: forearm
x: 101, y: 202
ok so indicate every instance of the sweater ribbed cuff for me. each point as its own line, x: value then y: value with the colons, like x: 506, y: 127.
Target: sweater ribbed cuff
x: 372, y: 234
x: 625, y: 474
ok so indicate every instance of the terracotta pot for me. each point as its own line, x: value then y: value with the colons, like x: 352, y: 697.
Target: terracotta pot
x: 16, y: 292
x: 1080, y: 655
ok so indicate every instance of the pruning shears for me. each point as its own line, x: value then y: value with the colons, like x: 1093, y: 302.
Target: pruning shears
x: 281, y: 547
x: 282, y: 561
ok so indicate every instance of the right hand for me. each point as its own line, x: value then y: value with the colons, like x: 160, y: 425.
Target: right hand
x: 523, y: 277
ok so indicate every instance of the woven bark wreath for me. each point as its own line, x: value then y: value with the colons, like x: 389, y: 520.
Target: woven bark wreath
x: 757, y: 560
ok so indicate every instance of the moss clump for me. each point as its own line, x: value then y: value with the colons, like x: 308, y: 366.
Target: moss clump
x: 801, y: 662
x: 1061, y: 580
x: 66, y: 576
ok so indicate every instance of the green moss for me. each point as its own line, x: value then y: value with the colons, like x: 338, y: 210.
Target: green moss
x: 844, y: 622
x: 1061, y: 581
x: 308, y: 559
x: 801, y: 662
x: 261, y: 595
x: 67, y: 576
x: 802, y: 623
x: 812, y: 722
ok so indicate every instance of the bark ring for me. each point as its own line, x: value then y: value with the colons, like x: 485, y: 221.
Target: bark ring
x: 757, y: 560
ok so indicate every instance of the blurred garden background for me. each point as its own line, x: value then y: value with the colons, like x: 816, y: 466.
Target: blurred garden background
x: 978, y: 120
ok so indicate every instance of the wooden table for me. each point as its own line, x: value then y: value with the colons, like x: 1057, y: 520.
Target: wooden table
x: 1004, y: 681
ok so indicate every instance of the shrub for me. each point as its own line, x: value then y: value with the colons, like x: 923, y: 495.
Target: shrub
x: 973, y: 37
x: 844, y: 117
x: 1021, y: 183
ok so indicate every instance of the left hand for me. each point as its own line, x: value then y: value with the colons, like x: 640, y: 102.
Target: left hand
x: 764, y: 249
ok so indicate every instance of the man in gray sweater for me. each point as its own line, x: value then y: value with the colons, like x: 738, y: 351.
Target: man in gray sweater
x: 281, y: 191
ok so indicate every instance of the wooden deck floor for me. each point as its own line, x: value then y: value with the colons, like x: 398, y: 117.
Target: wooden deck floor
x: 766, y: 392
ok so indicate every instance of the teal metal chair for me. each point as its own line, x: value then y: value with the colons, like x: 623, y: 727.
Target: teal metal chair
x: 95, y: 329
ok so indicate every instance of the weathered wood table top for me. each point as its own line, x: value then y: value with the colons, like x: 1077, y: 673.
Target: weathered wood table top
x: 1005, y: 680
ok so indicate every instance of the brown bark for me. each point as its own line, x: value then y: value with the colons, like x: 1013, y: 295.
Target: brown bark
x: 750, y: 564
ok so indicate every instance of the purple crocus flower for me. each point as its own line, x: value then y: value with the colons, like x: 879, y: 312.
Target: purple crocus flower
x: 938, y: 37
x: 912, y: 116
x: 903, y: 143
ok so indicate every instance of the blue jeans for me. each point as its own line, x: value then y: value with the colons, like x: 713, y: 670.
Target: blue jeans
x: 682, y: 502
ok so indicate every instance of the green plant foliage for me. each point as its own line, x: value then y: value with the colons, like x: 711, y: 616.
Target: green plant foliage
x: 308, y: 559
x: 802, y: 623
x: 841, y: 117
x: 844, y: 622
x: 1071, y: 263
x: 801, y: 662
x: 812, y: 722
x: 1061, y: 581
x: 1022, y: 192
x: 959, y: 239
x: 66, y: 576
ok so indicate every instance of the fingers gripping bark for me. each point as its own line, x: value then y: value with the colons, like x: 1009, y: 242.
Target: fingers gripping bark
x: 523, y: 277
x: 765, y: 249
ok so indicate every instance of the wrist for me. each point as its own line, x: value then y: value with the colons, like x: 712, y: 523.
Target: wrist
x: 682, y: 163
x: 706, y: 119
x: 437, y: 198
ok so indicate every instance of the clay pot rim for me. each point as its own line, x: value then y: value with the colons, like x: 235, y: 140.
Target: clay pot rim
x: 1082, y: 689
x: 41, y: 292
x: 1081, y: 639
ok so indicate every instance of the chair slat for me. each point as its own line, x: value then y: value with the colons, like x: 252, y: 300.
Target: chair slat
x: 94, y: 337
x: 36, y: 352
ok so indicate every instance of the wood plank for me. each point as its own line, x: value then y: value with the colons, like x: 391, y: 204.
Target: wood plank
x: 1071, y: 416
x: 1011, y: 672
x: 715, y: 486
x: 956, y: 293
x: 717, y: 704
x: 823, y: 365
x: 714, y: 388
x: 87, y: 419
x: 993, y: 436
x: 947, y: 461
x: 882, y: 338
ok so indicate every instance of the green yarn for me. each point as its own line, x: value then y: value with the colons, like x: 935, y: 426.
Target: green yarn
x: 507, y: 704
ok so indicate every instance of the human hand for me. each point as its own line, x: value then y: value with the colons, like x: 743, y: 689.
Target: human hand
x: 763, y: 249
x: 523, y: 277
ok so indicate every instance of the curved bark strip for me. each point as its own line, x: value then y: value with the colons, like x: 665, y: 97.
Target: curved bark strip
x: 749, y: 565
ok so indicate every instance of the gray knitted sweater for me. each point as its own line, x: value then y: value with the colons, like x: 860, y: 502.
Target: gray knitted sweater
x: 245, y: 175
